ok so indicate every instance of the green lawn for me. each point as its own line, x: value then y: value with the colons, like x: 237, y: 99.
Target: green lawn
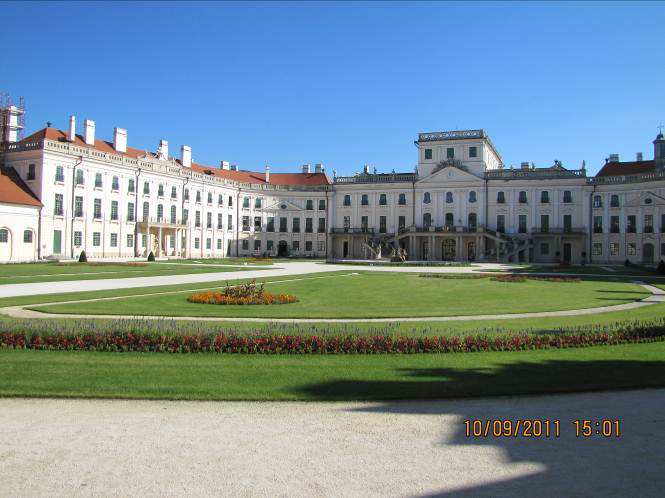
x: 370, y: 294
x: 342, y: 377
x: 54, y: 272
x: 224, y: 261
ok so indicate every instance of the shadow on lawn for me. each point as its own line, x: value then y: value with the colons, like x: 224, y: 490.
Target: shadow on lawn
x: 631, y: 465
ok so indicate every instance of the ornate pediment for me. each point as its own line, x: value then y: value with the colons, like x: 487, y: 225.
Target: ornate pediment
x: 449, y: 173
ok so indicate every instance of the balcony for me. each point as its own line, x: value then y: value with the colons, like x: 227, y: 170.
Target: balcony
x: 160, y: 221
x: 350, y: 230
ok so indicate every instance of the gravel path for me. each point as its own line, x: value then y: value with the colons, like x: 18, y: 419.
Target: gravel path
x: 142, y: 448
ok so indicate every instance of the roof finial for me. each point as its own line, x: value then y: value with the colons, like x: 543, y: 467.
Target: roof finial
x: 660, y: 127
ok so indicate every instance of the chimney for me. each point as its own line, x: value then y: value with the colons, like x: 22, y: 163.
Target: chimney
x: 318, y: 168
x: 186, y: 156
x: 267, y: 174
x: 614, y: 158
x: 524, y: 165
x: 639, y: 156
x: 366, y: 169
x: 72, y: 128
x: 89, y: 131
x: 120, y: 139
x: 224, y: 165
x: 163, y: 152
x: 305, y: 168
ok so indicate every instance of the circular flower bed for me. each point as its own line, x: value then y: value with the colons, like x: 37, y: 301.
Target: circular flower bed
x: 244, y: 294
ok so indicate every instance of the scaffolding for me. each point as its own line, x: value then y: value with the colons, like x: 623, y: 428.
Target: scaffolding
x: 12, y: 118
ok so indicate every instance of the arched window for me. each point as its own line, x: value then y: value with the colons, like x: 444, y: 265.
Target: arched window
x: 173, y: 214
x: 402, y: 199
x: 427, y: 220
x: 364, y: 200
x: 473, y: 222
x: 427, y: 198
x: 146, y: 211
x: 4, y: 235
x: 160, y: 211
x: 449, y: 197
x: 27, y: 236
x: 472, y: 196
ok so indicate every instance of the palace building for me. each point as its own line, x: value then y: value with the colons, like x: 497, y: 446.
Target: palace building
x: 63, y: 192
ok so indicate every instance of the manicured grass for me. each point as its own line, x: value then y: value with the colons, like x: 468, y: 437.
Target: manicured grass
x: 54, y: 272
x: 224, y: 261
x: 370, y: 294
x: 609, y: 270
x: 313, y: 378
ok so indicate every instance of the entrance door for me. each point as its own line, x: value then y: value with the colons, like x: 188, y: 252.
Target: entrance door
x: 282, y: 249
x: 345, y: 249
x: 57, y: 241
x: 448, y: 250
x: 567, y: 253
x: 647, y: 253
x: 471, y: 251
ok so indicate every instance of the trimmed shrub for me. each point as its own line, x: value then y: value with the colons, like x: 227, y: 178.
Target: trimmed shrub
x: 83, y: 258
x: 661, y: 267
x: 151, y: 256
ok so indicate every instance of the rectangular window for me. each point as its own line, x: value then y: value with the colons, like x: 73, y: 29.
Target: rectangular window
x: 209, y: 197
x: 631, y: 249
x: 269, y: 245
x: 58, y: 207
x: 322, y: 204
x: 322, y: 225
x: 308, y: 246
x: 521, y: 223
x: 130, y: 186
x: 597, y: 249
x: 130, y: 211
x: 500, y: 197
x: 322, y: 246
x: 401, y: 199
x: 347, y: 223
x: 114, y: 240
x: 185, y: 195
x: 78, y: 237
x: 115, y: 183
x: 522, y: 197
x: 631, y: 224
x: 208, y: 243
x: 296, y: 245
x: 567, y: 222
x: 229, y: 222
x: 544, y: 197
x: 98, y: 180
x: 114, y: 210
x: 257, y: 223
x: 500, y: 223
x: 428, y: 154
x: 198, y: 196
x: 174, y: 193
x: 197, y: 219
x: 130, y: 240
x: 295, y: 228
x: 245, y: 245
x: 146, y: 188
x: 597, y: 224
x: 544, y: 223
x: 245, y: 202
x: 59, y: 174
x: 473, y: 151
x: 567, y: 196
x: 185, y: 216
x: 383, y: 199
x: 208, y: 220
x: 220, y: 222
x: 172, y: 242
x: 614, y: 224
x: 450, y: 153
x: 347, y: 200
x: 364, y: 223
x: 219, y: 244
x: 197, y: 243
x: 220, y: 202
x: 401, y: 222
x: 245, y: 223
x: 144, y: 240
x: 270, y: 226
x: 257, y: 244
x: 309, y: 204
x: 31, y: 172
x: 382, y: 224
x: 309, y: 225
x: 614, y: 249
x: 96, y: 239
x: 78, y: 206
x: 648, y: 223
x: 544, y: 249
x: 79, y: 177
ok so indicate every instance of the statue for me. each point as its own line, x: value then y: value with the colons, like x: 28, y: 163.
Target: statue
x: 375, y: 249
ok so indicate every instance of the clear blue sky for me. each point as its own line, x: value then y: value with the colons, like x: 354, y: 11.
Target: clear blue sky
x: 344, y: 83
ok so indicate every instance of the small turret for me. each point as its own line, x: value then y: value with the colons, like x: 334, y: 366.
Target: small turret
x: 659, y: 151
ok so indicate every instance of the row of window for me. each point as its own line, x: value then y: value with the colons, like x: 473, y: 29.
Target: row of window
x: 472, y: 198
x: 450, y: 152
x: 614, y: 201
x: 27, y: 236
x: 283, y: 224
x: 295, y: 245
x: 615, y: 247
x: 631, y: 224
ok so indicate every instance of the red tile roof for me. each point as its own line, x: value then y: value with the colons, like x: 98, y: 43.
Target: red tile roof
x: 627, y: 168
x: 304, y: 179
x: 14, y: 191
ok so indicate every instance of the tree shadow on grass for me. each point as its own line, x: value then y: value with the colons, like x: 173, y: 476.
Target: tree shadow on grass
x: 631, y: 465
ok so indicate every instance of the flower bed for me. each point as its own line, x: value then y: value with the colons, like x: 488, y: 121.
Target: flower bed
x: 245, y: 294
x: 222, y: 342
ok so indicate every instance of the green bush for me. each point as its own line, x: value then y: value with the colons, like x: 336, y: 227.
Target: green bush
x: 83, y: 258
x: 151, y: 256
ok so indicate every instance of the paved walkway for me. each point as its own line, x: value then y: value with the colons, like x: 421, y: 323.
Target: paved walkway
x: 57, y: 447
